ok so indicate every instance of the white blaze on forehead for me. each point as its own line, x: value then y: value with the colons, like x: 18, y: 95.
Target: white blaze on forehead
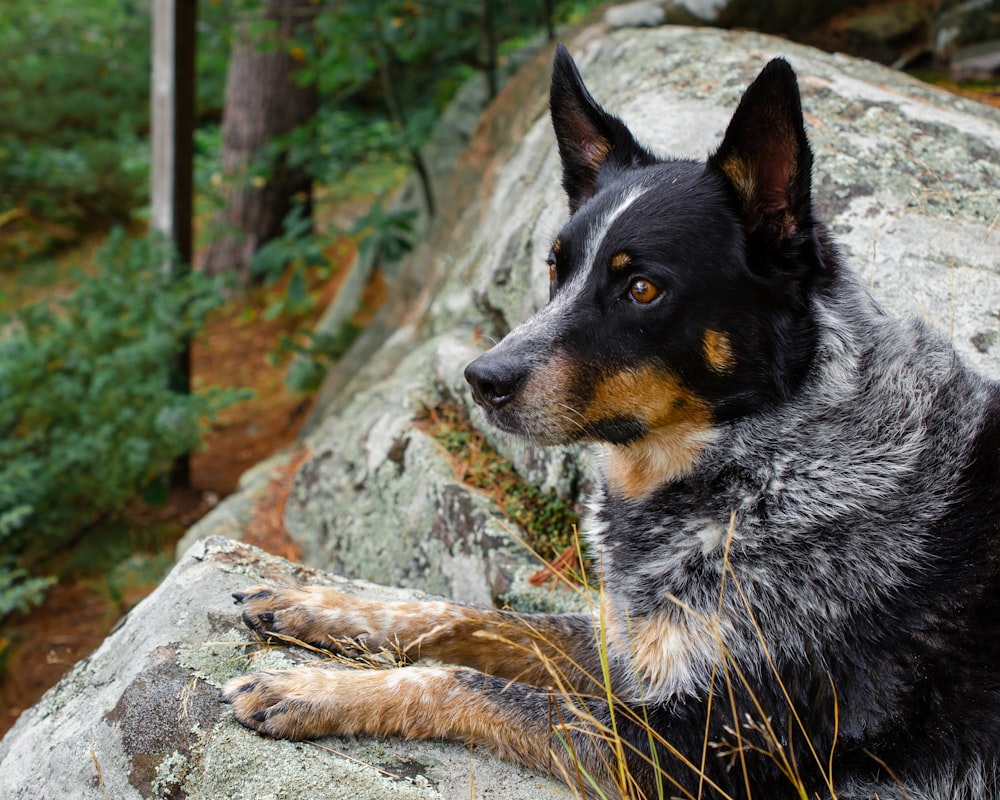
x: 567, y: 296
x: 596, y: 234
x: 600, y: 227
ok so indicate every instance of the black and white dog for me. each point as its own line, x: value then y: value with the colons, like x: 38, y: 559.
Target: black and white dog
x: 797, y: 530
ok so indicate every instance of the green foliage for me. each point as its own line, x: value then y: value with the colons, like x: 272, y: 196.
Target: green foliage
x: 19, y: 589
x: 315, y: 353
x: 87, y: 416
x: 385, y: 69
x: 390, y: 233
x: 73, y: 106
x: 297, y: 252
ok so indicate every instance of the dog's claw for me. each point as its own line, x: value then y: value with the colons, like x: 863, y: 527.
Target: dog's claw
x: 267, y: 617
x: 239, y: 597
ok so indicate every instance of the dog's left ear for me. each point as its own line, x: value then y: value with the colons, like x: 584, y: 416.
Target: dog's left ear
x: 591, y: 141
x: 765, y: 156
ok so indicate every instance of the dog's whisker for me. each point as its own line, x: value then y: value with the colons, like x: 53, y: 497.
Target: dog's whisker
x: 572, y: 410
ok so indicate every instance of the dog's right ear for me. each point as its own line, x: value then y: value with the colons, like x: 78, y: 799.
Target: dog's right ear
x: 590, y: 139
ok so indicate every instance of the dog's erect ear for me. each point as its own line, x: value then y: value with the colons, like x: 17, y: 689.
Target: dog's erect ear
x: 765, y: 155
x: 590, y: 139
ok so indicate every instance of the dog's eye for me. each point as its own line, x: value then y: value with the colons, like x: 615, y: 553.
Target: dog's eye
x: 642, y: 291
x: 552, y: 270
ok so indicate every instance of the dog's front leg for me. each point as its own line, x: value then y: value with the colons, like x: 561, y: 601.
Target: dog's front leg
x: 518, y: 722
x: 538, y: 649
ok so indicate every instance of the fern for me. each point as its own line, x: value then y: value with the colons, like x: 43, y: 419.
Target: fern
x: 87, y: 416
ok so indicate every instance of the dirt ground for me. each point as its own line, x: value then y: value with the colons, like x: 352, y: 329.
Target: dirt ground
x: 234, y: 350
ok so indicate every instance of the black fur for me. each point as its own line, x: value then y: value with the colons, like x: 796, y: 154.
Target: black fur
x: 858, y: 588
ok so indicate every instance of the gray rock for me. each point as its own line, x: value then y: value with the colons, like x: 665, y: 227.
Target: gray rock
x: 960, y: 23
x: 775, y: 16
x: 641, y: 14
x: 907, y: 177
x: 705, y: 11
x: 139, y: 717
x: 980, y: 61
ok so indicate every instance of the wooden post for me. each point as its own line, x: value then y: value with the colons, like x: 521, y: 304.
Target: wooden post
x: 171, y: 194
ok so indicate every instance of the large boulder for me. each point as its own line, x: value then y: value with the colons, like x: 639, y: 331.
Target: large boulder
x: 906, y: 176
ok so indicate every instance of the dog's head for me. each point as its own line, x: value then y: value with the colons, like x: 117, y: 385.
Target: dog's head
x: 679, y: 289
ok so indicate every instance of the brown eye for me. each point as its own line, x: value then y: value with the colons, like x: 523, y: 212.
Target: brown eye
x: 642, y: 291
x: 552, y: 271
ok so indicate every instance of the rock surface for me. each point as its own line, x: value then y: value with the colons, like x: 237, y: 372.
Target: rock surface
x: 905, y: 175
x: 139, y: 718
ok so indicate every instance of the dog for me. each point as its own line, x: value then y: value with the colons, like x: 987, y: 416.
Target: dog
x: 796, y: 531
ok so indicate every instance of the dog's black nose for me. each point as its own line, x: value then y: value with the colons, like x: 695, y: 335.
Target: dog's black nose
x: 494, y: 380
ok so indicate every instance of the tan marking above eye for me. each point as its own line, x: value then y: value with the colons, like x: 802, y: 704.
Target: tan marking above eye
x: 557, y: 245
x: 620, y: 260
x: 718, y: 351
x: 642, y: 291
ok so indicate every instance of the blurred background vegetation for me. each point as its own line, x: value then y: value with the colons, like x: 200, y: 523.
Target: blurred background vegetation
x: 88, y: 421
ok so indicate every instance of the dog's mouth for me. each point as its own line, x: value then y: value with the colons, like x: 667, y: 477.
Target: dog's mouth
x: 537, y: 422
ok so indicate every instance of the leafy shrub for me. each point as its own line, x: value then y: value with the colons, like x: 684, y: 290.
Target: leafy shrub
x: 87, y: 416
x: 74, y: 104
x: 297, y: 251
x: 315, y: 353
x: 18, y: 588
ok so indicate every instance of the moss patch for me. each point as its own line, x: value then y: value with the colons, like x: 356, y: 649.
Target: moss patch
x: 549, y: 522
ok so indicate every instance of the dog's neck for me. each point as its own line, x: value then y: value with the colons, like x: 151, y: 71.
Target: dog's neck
x: 637, y: 469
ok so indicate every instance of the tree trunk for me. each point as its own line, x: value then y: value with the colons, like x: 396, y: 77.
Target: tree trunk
x: 263, y: 101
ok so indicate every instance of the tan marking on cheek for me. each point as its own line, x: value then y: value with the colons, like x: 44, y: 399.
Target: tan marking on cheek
x: 718, y: 352
x: 678, y: 424
x: 653, y: 396
x: 620, y: 261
